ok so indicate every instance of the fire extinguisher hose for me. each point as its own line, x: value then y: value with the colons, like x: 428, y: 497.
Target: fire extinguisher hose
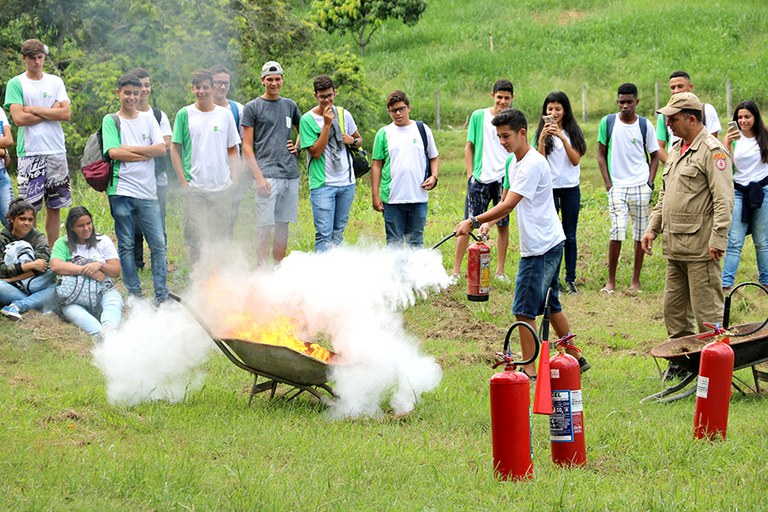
x: 727, y: 309
x: 536, y: 344
x: 441, y: 242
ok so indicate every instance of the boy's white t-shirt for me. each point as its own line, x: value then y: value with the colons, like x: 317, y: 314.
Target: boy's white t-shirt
x: 748, y: 161
x: 628, y: 166
x: 46, y: 137
x: 564, y: 173
x: 3, y: 124
x: 204, y: 143
x: 137, y: 179
x: 537, y: 221
x: 404, y: 170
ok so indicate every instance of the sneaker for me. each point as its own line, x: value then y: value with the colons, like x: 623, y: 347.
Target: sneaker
x: 583, y: 364
x: 11, y: 311
x: 454, y: 279
x: 502, y: 278
x: 570, y: 288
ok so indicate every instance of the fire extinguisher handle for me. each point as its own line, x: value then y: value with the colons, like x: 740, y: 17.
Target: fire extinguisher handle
x: 536, y: 342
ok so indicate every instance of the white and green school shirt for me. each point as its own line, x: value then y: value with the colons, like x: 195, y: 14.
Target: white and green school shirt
x: 488, y: 154
x: 626, y: 161
x: 205, y: 138
x: 46, y: 137
x: 132, y: 179
x: 404, y: 167
x: 323, y: 171
x: 3, y: 124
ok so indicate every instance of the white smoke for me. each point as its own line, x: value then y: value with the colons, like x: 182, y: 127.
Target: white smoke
x: 351, y: 297
x: 154, y: 355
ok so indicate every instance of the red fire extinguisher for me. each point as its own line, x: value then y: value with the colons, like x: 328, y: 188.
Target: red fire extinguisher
x: 713, y: 390
x: 478, y: 270
x: 566, y: 423
x: 511, y: 415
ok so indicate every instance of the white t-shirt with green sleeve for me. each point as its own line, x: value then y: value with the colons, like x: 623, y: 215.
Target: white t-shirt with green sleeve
x: 323, y: 172
x: 132, y: 179
x: 488, y: 154
x: 627, y: 165
x: 46, y: 137
x: 205, y: 138
x: 404, y: 165
x: 103, y: 251
x: 3, y: 124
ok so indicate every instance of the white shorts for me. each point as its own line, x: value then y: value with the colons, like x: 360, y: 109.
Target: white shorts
x: 282, y: 205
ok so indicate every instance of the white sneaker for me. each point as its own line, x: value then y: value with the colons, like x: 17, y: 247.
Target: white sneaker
x: 502, y: 278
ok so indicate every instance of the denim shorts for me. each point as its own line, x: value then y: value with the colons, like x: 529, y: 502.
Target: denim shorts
x: 535, y: 275
x: 480, y: 196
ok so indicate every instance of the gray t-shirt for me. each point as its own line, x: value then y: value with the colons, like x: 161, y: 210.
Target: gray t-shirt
x: 272, y: 121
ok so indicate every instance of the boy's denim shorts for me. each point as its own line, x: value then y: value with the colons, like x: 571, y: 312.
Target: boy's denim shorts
x: 535, y: 275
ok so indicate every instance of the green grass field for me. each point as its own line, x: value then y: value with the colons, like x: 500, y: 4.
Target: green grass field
x: 66, y: 448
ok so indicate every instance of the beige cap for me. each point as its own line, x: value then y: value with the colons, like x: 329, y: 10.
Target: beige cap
x: 681, y: 101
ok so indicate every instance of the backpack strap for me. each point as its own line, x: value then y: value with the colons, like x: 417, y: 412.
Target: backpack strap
x: 158, y: 114
x: 423, y: 133
x: 235, y: 113
x: 340, y: 116
x: 116, y: 120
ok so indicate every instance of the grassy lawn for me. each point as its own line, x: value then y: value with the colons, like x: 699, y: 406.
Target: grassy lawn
x: 66, y: 447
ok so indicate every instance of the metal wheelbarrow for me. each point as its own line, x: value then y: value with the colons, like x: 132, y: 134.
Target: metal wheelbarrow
x: 748, y: 341
x: 276, y: 364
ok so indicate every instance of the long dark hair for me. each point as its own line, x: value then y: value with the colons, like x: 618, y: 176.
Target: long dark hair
x: 569, y: 124
x: 761, y: 134
x: 75, y: 213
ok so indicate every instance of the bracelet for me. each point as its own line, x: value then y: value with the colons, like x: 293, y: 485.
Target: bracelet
x: 433, y: 176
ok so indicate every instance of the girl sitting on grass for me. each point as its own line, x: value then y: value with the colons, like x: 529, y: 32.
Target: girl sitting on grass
x: 25, y: 282
x: 103, y: 265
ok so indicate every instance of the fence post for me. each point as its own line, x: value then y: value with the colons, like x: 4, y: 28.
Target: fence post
x: 490, y: 39
x: 437, y: 109
x: 656, y: 90
x: 584, y: 103
x: 728, y: 99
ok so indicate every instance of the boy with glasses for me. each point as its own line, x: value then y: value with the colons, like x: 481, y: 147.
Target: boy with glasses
x: 405, y: 167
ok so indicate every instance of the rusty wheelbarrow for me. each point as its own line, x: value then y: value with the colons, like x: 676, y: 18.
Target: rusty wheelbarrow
x: 276, y: 364
x: 748, y: 341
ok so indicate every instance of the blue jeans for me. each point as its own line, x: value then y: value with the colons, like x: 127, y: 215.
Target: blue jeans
x: 42, y: 288
x: 568, y: 203
x: 330, y: 209
x: 404, y: 223
x: 111, y: 311
x: 738, y: 232
x: 535, y: 275
x: 127, y: 211
x: 6, y: 194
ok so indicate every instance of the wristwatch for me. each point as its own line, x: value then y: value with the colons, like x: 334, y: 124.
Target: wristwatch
x: 473, y: 220
x: 651, y: 185
x: 356, y: 141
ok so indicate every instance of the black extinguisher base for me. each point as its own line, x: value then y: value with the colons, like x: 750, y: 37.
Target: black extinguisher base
x: 477, y: 298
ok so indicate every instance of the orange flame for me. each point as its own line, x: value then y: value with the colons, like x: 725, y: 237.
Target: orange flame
x: 279, y: 332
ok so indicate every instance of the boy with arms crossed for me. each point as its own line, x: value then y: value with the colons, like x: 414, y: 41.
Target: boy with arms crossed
x: 484, y: 159
x: 133, y: 191
x: 39, y: 103
x: 541, y: 234
x: 206, y: 161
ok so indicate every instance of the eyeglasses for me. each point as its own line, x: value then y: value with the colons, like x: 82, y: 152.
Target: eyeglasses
x: 398, y: 110
x: 221, y: 83
x: 326, y: 96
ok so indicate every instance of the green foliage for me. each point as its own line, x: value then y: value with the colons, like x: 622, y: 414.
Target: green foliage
x: 362, y: 18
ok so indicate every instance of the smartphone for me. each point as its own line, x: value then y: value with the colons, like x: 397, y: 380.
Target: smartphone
x: 732, y: 126
x: 548, y: 119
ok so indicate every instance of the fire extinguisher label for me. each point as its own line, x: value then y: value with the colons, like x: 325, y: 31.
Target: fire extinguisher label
x: 561, y: 420
x: 702, y: 387
x: 485, y: 273
x: 554, y: 373
x: 577, y: 404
